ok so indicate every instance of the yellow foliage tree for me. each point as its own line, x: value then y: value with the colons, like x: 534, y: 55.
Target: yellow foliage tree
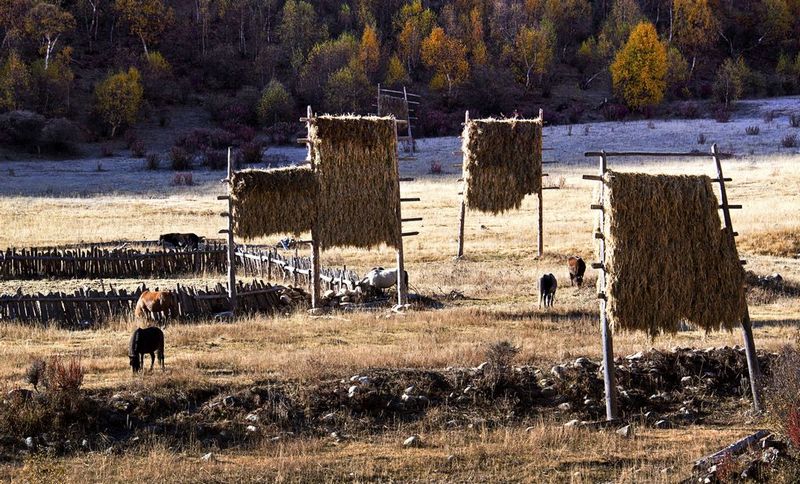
x: 370, y: 51
x: 640, y: 68
x: 447, y: 56
x: 396, y: 72
x: 694, y: 27
x: 119, y: 97
x: 478, y: 46
x: 146, y: 19
x: 15, y: 83
x: 48, y: 21
x: 533, y: 51
x: 414, y: 23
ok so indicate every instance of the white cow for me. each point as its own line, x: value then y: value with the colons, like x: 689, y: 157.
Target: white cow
x: 378, y: 279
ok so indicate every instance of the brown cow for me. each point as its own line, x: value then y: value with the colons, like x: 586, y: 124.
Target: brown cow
x: 577, y: 267
x: 156, y: 305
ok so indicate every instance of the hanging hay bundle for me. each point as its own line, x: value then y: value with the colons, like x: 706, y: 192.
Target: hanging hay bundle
x: 393, y: 106
x: 502, y: 162
x: 359, y: 193
x: 667, y: 257
x: 267, y: 202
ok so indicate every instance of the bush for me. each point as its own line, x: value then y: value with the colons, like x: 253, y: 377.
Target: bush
x: 215, y: 159
x: 252, y: 153
x: 119, y: 98
x: 282, y: 133
x: 690, y: 111
x: 789, y: 141
x: 752, y: 130
x: 794, y: 121
x: 701, y: 139
x: 180, y: 159
x: 275, y: 105
x: 436, y: 168
x: 179, y: 179
x: 200, y: 139
x: 106, y: 150
x: 21, y: 128
x: 63, y: 375
x: 34, y: 375
x: 782, y: 394
x: 730, y: 82
x: 722, y: 115
x: 138, y: 149
x: 60, y: 135
x: 152, y: 161
x: 130, y: 136
x: 615, y: 112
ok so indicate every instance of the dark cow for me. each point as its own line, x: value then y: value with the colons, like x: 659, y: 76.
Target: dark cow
x: 180, y: 241
x: 146, y: 341
x: 157, y: 305
x: 576, y: 270
x: 547, y: 290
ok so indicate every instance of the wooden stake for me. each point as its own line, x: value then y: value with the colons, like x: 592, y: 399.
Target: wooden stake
x: 463, y: 212
x: 402, y: 283
x: 231, y: 249
x: 540, y: 233
x: 747, y: 327
x: 408, y: 124
x: 605, y: 331
x: 315, y: 284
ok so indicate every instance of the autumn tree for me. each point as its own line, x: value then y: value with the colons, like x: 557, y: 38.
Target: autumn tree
x: 47, y: 22
x: 447, y: 57
x: 677, y: 71
x: 370, y: 51
x: 694, y: 27
x: 300, y: 30
x: 348, y: 90
x: 118, y: 98
x: 276, y: 104
x: 53, y: 83
x: 624, y: 16
x: 414, y: 24
x: 325, y: 59
x: 15, y: 83
x: 571, y: 20
x: 146, y: 19
x: 480, y: 54
x: 396, y: 72
x: 730, y: 81
x: 640, y: 68
x: 12, y: 20
x: 533, y: 52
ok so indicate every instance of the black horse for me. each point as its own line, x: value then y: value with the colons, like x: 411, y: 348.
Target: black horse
x: 144, y: 341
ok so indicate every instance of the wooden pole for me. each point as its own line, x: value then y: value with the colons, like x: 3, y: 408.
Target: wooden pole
x: 605, y: 331
x: 231, y: 247
x: 747, y: 327
x: 315, y: 286
x: 402, y: 283
x: 540, y: 233
x: 408, y: 123
x: 463, y: 213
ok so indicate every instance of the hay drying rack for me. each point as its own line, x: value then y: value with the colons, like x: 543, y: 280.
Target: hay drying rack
x: 402, y: 284
x: 463, y: 208
x: 410, y: 109
x: 608, y: 346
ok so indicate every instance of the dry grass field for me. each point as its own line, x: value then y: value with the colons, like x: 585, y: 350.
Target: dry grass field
x: 497, y: 276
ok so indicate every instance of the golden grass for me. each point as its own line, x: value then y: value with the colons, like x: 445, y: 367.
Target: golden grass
x: 499, y: 273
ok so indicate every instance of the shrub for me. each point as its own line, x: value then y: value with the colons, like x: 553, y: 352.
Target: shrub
x: 794, y: 121
x: 730, y: 81
x: 60, y: 135
x: 252, y: 153
x: 21, y: 128
x: 275, y: 104
x: 615, y: 112
x: 722, y: 115
x: 200, y: 139
x: 500, y: 355
x: 63, y: 375
x: 106, y: 150
x: 215, y: 159
x: 782, y: 395
x: 690, y: 111
x: 701, y: 138
x: 34, y: 375
x: 282, y: 133
x: 436, y: 168
x: 789, y: 141
x: 651, y: 125
x: 138, y: 149
x: 152, y: 161
x: 180, y: 159
x: 179, y: 179
x: 770, y: 116
x: 752, y: 130
x: 130, y: 136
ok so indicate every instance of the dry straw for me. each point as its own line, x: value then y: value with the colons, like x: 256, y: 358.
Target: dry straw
x: 502, y: 162
x: 267, y: 202
x: 667, y: 257
x: 359, y: 193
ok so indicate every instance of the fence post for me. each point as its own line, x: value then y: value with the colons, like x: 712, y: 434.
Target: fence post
x: 231, y: 248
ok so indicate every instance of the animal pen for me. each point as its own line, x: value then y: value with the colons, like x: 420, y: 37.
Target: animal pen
x: 666, y: 228
x: 347, y: 196
x: 502, y: 163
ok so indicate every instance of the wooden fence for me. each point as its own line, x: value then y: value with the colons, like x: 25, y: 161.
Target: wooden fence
x: 96, y: 262
x: 87, y: 308
x: 296, y: 270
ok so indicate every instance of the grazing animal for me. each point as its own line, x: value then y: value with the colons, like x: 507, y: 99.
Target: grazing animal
x: 576, y: 270
x: 156, y: 305
x: 378, y: 279
x: 146, y: 341
x: 180, y: 241
x: 547, y: 290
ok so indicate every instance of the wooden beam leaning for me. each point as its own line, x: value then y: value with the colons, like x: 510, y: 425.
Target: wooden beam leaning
x: 231, y: 244
x: 463, y: 206
x: 402, y: 283
x: 540, y: 227
x: 747, y: 328
x: 315, y: 262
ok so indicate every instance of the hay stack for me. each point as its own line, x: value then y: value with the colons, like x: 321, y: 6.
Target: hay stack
x: 502, y: 162
x: 267, y: 202
x: 667, y: 257
x: 359, y: 192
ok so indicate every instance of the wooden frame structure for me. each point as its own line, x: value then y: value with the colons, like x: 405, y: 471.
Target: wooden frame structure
x: 463, y: 208
x: 612, y: 412
x: 404, y: 96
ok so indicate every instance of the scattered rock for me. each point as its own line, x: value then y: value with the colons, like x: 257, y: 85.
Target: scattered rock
x: 413, y: 441
x: 251, y: 428
x: 565, y: 407
x: 229, y: 401
x: 251, y: 417
x: 662, y: 424
x: 626, y: 431
x: 558, y: 371
x: 328, y: 417
x: 210, y: 457
x: 635, y: 356
x: 30, y: 443
x: 482, y: 366
x: 409, y: 390
x: 351, y: 392
x: 530, y: 429
x: 573, y: 423
x: 686, y: 380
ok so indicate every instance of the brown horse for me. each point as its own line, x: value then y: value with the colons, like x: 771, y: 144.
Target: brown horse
x: 156, y: 305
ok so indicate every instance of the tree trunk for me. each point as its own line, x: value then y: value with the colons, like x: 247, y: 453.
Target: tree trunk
x: 144, y: 44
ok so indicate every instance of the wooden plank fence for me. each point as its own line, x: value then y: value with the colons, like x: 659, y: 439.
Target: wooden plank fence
x: 294, y: 270
x: 86, y: 308
x: 97, y: 262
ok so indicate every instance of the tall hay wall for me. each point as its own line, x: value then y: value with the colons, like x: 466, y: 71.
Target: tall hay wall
x: 667, y: 257
x: 502, y: 162
x: 267, y: 202
x: 359, y: 193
